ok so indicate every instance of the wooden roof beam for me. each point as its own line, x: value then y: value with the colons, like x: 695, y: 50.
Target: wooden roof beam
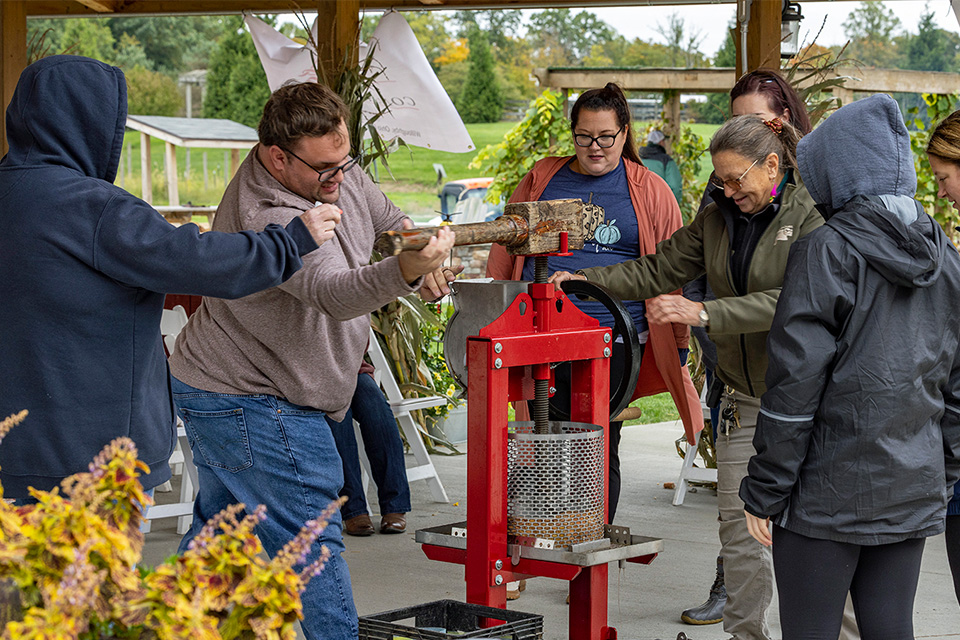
x: 720, y: 79
x: 101, y: 6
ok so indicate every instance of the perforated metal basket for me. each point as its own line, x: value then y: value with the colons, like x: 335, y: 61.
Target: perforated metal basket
x: 555, y: 482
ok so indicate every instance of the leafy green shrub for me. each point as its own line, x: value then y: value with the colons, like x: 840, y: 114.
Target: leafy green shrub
x: 152, y: 94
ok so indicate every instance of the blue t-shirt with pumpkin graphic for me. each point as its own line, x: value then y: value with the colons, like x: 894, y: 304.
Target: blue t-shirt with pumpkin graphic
x: 616, y: 240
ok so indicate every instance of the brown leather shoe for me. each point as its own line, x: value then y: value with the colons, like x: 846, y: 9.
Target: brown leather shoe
x: 359, y: 526
x: 393, y: 523
x: 514, y: 594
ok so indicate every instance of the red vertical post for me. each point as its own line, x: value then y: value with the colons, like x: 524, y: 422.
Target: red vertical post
x: 486, y: 474
x: 590, y: 386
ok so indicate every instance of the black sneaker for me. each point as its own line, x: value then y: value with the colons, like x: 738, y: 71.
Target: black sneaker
x: 711, y: 611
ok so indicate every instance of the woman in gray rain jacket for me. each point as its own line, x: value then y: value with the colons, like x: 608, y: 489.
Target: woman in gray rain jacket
x: 859, y: 431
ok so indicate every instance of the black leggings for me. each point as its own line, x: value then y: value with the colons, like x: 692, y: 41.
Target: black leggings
x: 813, y: 577
x: 953, y: 551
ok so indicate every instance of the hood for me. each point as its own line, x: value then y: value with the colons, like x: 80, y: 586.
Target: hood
x: 895, y: 236
x: 861, y: 149
x: 68, y: 111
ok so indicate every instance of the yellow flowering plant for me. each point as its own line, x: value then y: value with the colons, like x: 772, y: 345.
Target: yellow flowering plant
x: 68, y: 565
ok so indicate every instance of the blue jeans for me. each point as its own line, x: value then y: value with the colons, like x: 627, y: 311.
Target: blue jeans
x: 381, y: 442
x: 260, y: 449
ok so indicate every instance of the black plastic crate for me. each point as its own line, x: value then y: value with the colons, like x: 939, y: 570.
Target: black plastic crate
x: 457, y: 619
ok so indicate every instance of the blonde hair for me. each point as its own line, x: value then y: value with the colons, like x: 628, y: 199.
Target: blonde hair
x: 945, y: 139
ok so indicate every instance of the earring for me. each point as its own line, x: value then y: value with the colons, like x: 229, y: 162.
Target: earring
x: 773, y: 193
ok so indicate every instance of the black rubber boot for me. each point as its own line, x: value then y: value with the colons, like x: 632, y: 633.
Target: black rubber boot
x: 711, y: 611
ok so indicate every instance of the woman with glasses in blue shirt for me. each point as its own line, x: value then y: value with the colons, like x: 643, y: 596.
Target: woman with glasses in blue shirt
x: 640, y: 211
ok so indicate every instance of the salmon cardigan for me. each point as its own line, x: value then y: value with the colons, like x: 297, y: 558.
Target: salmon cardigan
x: 658, y: 217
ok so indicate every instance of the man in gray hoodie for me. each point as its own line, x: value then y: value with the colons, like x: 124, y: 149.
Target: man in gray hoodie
x: 858, y: 439
x: 255, y: 378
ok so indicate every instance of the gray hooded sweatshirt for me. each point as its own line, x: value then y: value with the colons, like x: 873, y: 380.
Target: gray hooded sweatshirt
x: 858, y: 438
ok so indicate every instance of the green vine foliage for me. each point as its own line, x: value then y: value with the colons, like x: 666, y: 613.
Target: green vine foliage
x: 939, y: 106
x: 543, y: 132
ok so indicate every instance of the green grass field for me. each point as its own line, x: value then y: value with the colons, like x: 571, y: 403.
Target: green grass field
x: 659, y: 408
x: 410, y: 182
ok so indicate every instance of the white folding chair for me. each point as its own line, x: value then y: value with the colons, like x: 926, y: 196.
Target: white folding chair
x: 423, y: 469
x: 171, y: 322
x: 688, y: 472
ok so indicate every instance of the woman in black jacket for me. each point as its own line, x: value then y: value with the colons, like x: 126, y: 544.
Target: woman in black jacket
x: 858, y: 439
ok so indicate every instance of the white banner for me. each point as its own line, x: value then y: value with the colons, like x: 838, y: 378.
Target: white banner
x: 420, y: 111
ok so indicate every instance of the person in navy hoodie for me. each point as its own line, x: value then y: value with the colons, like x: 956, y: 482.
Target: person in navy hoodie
x: 84, y: 267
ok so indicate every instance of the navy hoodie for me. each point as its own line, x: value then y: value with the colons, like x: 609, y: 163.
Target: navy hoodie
x: 84, y: 267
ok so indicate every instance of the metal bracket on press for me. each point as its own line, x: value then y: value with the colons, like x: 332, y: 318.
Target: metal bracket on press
x: 517, y: 542
x: 458, y: 532
x: 617, y: 534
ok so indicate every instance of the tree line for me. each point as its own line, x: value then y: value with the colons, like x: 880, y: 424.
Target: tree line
x: 482, y: 58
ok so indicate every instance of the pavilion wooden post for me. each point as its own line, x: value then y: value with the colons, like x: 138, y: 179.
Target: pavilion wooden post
x: 146, y: 179
x: 843, y: 94
x: 13, y: 56
x: 763, y: 37
x: 338, y: 31
x: 234, y: 161
x: 671, y: 118
x: 173, y: 188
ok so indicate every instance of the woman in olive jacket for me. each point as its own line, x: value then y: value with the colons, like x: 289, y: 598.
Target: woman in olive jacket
x: 741, y: 242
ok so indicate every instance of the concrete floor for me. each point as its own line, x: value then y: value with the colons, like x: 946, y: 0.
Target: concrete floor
x: 391, y: 572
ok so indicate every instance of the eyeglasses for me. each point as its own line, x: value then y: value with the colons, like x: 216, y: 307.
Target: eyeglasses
x: 733, y: 184
x: 604, y: 142
x: 326, y: 174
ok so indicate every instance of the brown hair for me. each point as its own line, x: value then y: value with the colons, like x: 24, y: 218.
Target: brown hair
x: 752, y: 137
x: 297, y: 110
x: 945, y: 139
x: 609, y: 98
x: 779, y: 93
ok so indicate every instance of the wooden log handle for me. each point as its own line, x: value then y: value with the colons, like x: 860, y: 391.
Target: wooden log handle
x: 506, y: 230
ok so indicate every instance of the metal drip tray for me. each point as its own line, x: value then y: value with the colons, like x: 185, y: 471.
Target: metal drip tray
x: 601, y: 551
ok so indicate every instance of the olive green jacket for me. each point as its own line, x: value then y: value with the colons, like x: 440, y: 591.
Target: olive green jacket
x: 738, y: 324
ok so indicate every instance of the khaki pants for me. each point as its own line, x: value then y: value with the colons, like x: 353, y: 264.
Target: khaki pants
x: 747, y: 565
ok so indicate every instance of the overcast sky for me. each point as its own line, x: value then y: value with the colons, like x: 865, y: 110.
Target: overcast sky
x: 711, y: 19
x: 641, y: 22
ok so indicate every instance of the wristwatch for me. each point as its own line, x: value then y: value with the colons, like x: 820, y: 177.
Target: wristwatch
x: 704, y: 318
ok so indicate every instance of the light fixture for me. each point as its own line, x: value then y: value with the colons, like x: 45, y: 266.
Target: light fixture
x: 790, y: 19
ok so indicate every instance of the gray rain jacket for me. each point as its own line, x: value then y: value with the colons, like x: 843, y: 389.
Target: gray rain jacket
x: 858, y: 438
